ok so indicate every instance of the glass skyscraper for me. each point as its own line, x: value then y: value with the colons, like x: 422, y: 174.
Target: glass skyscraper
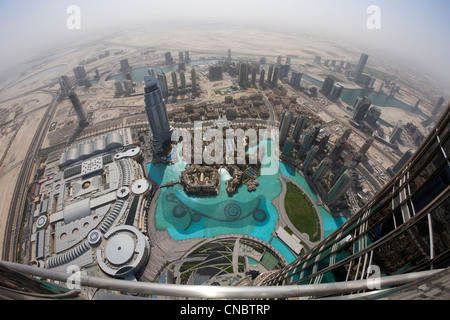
x: 404, y: 228
x: 155, y: 109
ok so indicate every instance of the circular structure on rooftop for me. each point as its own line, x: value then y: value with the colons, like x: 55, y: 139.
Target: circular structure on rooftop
x: 124, y: 251
x: 42, y: 222
x: 94, y: 237
x: 140, y: 187
x: 123, y: 192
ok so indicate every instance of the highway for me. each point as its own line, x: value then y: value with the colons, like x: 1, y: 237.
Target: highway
x: 18, y: 202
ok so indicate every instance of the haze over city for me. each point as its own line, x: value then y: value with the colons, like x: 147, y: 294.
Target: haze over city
x: 414, y: 31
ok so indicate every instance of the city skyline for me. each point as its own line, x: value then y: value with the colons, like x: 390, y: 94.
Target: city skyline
x: 38, y: 27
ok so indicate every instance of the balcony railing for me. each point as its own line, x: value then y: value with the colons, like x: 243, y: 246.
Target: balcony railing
x: 210, y: 292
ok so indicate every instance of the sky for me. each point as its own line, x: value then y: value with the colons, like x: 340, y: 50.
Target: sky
x: 415, y: 29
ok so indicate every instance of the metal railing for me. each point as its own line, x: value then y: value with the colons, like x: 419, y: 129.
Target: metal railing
x: 220, y: 292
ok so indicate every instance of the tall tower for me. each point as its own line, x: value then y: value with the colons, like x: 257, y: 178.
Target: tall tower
x: 437, y: 107
x: 163, y: 84
x: 76, y: 103
x: 361, y: 65
x: 285, y: 125
x: 269, y: 74
x: 193, y: 80
x: 243, y: 73
x: 340, y: 187
x: 360, y: 108
x: 327, y: 86
x: 298, y: 129
x: 182, y: 80
x: 321, y: 170
x: 174, y: 83
x: 66, y: 85
x: 155, y: 109
x: 396, y: 132
x: 296, y: 77
x: 275, y: 76
x: 124, y: 65
x: 309, y: 158
x: 261, y: 77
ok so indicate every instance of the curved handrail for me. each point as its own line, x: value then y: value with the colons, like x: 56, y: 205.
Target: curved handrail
x: 222, y: 292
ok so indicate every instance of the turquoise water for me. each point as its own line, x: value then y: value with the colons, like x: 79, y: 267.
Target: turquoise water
x: 281, y: 247
x: 189, y: 216
x: 249, y: 213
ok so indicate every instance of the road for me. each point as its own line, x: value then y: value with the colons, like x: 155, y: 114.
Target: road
x: 18, y: 202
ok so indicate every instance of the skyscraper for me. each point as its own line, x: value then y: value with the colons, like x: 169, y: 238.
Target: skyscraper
x: 284, y: 70
x: 168, y: 57
x: 361, y: 65
x: 437, y: 107
x: 215, y: 73
x: 155, y: 109
x: 336, y: 91
x: 340, y: 187
x: 275, y: 76
x: 66, y: 85
x: 193, y: 80
x: 321, y: 170
x: 76, y: 103
x: 327, y: 86
x: 285, y: 125
x: 269, y: 74
x: 396, y: 132
x: 309, y: 158
x: 360, y: 108
x: 174, y: 83
x: 162, y: 79
x: 182, y: 80
x: 296, y: 77
x: 124, y: 65
x: 373, y: 115
x: 298, y: 129
x: 339, y: 147
x: 403, y: 229
x: 306, y: 144
x: 261, y: 77
x: 80, y: 73
x: 243, y: 73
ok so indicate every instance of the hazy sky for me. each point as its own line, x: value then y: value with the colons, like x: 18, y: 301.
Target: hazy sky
x: 417, y: 29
